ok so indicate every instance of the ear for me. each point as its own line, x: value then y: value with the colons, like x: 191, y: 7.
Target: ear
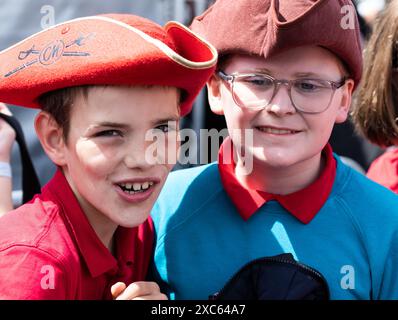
x: 214, y: 95
x: 345, y: 102
x: 51, y: 137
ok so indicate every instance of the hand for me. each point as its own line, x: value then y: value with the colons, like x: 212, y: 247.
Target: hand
x: 7, y: 136
x: 141, y: 290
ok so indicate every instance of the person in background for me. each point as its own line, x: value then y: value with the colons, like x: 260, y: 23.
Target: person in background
x: 7, y: 138
x: 369, y: 9
x: 375, y: 110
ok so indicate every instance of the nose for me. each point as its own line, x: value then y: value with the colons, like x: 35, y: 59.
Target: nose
x: 281, y: 103
x: 136, y: 156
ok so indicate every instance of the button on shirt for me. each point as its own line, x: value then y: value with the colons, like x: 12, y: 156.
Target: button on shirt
x: 48, y: 250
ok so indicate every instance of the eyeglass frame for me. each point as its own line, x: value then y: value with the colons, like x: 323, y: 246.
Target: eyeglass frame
x: 230, y: 78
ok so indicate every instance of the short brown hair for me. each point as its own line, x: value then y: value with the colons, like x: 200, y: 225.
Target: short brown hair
x: 59, y: 104
x: 375, y: 108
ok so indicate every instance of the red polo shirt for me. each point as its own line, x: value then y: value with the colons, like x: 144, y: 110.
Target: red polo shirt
x: 384, y: 169
x: 48, y: 250
x: 303, y: 204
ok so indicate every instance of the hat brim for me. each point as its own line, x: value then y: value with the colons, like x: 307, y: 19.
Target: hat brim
x: 101, y: 50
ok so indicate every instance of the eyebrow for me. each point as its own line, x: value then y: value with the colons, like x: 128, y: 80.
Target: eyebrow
x: 165, y: 120
x: 297, y: 74
x: 111, y: 124
x: 263, y: 70
x: 126, y: 126
x: 309, y: 74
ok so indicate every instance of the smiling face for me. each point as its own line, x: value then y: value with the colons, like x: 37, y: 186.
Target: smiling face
x: 283, y: 136
x: 104, y: 159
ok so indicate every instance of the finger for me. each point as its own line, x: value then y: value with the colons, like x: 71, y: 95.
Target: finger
x: 140, y: 288
x: 159, y: 296
x: 4, y: 109
x: 117, y: 289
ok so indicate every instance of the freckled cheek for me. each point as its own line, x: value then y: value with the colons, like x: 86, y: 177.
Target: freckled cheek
x: 95, y: 159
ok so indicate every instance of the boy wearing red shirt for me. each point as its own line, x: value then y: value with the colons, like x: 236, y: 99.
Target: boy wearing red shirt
x: 103, y: 83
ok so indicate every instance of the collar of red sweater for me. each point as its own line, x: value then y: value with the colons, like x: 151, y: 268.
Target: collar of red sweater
x: 303, y: 204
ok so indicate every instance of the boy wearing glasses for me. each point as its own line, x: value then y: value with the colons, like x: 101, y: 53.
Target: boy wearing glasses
x: 286, y: 75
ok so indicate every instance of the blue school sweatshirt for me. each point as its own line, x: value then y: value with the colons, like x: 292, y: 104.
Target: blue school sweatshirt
x: 202, y: 241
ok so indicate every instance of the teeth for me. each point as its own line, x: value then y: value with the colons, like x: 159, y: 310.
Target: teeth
x: 276, y: 131
x: 137, y: 186
x: 131, y: 188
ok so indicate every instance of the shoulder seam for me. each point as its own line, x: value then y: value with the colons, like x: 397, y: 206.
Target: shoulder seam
x: 45, y: 232
x: 355, y: 223
x: 338, y: 196
x: 348, y: 176
x: 59, y: 258
x: 35, y: 241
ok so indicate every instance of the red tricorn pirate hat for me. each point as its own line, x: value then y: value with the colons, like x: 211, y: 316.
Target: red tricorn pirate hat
x: 109, y: 49
x: 268, y: 27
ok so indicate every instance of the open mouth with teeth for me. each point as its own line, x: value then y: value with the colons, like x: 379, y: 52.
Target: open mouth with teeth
x: 137, y: 187
x: 276, y: 131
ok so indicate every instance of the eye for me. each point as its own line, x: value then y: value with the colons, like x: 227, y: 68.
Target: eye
x: 109, y: 133
x: 168, y: 126
x: 309, y: 86
x: 258, y: 81
x: 164, y: 128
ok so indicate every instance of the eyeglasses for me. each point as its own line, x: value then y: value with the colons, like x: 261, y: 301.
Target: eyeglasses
x: 256, y: 91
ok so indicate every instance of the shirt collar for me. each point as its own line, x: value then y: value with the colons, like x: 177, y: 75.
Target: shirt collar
x: 98, y: 258
x: 303, y: 204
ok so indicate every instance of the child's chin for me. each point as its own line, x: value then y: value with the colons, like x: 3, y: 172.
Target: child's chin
x: 274, y: 161
x: 131, y: 223
x: 127, y: 217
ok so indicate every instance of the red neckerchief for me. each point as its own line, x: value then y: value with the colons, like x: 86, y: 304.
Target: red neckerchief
x: 303, y: 204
